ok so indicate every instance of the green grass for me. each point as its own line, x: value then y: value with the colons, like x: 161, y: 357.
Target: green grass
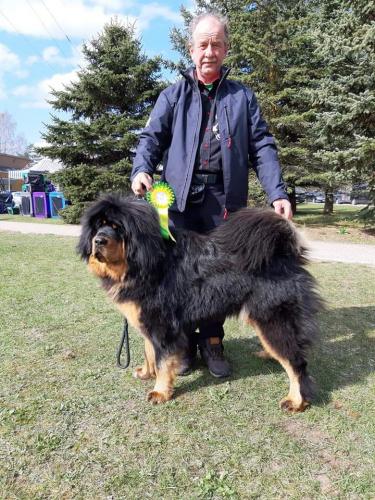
x: 72, y: 425
x: 343, y: 215
x: 22, y: 218
x: 343, y: 225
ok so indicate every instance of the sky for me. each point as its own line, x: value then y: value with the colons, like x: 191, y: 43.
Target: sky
x: 40, y: 47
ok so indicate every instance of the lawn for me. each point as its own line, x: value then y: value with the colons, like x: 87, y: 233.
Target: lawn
x: 73, y: 425
x: 343, y: 225
x: 22, y: 218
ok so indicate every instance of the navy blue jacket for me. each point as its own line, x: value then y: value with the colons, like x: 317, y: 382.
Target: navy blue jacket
x: 171, y: 136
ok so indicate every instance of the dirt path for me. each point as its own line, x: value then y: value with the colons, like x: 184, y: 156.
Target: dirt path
x: 324, y: 251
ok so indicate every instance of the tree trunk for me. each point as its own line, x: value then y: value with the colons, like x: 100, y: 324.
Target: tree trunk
x: 328, y: 204
x: 292, y: 199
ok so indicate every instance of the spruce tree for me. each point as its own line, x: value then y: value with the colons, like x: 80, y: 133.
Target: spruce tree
x: 344, y: 97
x: 107, y: 106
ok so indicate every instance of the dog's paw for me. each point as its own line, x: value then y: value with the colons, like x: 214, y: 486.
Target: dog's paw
x: 157, y: 398
x: 291, y: 406
x: 141, y: 373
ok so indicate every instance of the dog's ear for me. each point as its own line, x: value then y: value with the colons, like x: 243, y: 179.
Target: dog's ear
x: 84, y: 246
x: 88, y: 229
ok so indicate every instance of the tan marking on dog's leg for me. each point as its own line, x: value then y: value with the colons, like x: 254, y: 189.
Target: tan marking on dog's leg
x: 262, y: 354
x: 150, y: 356
x: 132, y: 312
x: 293, y: 402
x: 244, y: 317
x: 147, y: 370
x: 165, y: 377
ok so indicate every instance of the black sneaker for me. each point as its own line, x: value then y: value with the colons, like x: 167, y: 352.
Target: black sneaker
x: 212, y: 353
x: 188, y: 360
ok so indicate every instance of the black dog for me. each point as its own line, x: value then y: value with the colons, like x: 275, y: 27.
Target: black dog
x: 251, y: 266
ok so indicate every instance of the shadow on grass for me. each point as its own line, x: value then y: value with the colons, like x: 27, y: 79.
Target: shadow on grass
x: 343, y: 356
x: 312, y: 216
x: 240, y: 353
x: 312, y: 219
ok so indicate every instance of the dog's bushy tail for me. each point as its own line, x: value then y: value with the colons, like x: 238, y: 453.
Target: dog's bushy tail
x: 256, y: 237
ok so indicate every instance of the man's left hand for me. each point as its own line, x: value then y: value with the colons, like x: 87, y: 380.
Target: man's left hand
x: 283, y: 208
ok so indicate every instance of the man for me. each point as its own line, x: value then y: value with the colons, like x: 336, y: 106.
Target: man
x: 205, y: 128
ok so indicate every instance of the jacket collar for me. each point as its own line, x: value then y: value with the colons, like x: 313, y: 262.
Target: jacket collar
x: 189, y: 75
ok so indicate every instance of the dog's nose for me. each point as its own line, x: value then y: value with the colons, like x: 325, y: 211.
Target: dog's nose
x: 100, y: 241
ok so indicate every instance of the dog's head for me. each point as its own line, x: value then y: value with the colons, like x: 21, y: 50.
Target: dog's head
x: 121, y: 238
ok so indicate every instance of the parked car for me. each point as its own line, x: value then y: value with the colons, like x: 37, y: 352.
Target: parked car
x: 341, y: 197
x: 360, y: 195
x: 300, y: 197
x: 319, y: 198
x: 309, y: 196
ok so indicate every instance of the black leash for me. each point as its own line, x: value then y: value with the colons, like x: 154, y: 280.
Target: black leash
x: 125, y: 335
x: 124, y: 341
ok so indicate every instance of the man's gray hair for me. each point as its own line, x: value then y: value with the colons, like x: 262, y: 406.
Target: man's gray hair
x: 223, y: 20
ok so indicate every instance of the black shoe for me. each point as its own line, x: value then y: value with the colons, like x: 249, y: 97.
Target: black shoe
x: 188, y: 360
x: 212, y: 353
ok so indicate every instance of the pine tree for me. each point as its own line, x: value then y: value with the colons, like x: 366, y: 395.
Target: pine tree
x: 344, y: 97
x: 108, y: 105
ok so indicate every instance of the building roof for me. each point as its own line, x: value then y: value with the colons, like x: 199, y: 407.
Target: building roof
x: 47, y: 165
x: 13, y: 162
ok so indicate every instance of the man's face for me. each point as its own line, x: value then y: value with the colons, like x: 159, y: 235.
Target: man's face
x: 208, y: 49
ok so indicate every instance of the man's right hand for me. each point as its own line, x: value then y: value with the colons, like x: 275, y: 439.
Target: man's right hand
x: 142, y: 182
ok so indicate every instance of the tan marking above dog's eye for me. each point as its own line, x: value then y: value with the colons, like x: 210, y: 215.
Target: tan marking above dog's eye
x: 114, y: 226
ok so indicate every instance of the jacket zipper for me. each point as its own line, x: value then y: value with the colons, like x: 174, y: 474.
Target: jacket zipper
x: 229, y: 140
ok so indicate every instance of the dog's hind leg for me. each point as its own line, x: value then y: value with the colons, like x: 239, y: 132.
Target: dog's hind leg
x: 262, y: 354
x: 166, y: 371
x: 280, y: 342
x: 147, y: 370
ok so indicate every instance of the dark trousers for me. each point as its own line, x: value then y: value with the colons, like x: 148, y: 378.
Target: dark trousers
x: 203, y: 218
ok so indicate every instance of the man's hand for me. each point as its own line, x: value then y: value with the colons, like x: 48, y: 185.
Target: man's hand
x: 284, y: 208
x: 142, y: 182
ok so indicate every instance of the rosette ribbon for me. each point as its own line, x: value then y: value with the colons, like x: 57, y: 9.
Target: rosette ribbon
x: 161, y: 197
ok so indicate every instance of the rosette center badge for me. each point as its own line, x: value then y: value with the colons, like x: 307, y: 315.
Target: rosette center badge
x: 161, y: 196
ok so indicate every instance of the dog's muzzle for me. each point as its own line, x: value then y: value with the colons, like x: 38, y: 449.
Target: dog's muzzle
x: 100, y: 241
x: 103, y: 242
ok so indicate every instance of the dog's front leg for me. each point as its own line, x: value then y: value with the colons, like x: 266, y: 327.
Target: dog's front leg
x: 165, y: 376
x: 147, y: 370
